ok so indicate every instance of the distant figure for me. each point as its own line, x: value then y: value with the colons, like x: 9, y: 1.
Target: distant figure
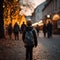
x: 49, y: 29
x: 30, y: 40
x: 20, y: 29
x: 37, y: 29
x: 10, y: 30
x: 23, y: 27
x: 16, y: 31
x: 44, y: 29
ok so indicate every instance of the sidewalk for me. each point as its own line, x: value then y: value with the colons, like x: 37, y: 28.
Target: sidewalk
x: 47, y: 49
x: 12, y: 50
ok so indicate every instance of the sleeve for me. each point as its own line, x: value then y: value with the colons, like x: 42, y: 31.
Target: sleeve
x: 35, y: 38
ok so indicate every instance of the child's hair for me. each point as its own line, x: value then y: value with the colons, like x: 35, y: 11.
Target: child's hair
x: 29, y: 23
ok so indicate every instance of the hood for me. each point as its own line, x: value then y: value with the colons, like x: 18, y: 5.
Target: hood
x: 29, y: 28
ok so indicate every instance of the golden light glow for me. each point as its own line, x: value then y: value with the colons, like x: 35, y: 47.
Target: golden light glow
x: 48, y: 21
x: 34, y: 24
x: 56, y: 17
x: 23, y: 19
x: 39, y: 23
x: 11, y: 15
x: 48, y: 16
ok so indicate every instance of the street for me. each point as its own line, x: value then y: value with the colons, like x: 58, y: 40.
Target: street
x: 47, y: 49
x: 19, y: 16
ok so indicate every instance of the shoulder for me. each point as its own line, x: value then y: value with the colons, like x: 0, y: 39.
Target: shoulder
x: 34, y: 31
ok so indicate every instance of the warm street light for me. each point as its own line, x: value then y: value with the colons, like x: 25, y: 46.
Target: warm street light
x: 48, y: 16
x: 56, y: 17
x: 16, y: 0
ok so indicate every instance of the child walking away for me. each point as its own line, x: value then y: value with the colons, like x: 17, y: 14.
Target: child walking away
x: 30, y: 40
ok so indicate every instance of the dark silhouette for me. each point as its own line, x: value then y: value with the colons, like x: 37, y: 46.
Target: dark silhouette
x: 37, y: 29
x: 23, y: 27
x: 49, y: 29
x: 16, y: 31
x: 1, y: 20
x: 29, y: 48
x: 10, y: 30
x: 20, y: 30
x: 44, y: 29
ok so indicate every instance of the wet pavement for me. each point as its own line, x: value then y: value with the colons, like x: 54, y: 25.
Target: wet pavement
x: 47, y: 49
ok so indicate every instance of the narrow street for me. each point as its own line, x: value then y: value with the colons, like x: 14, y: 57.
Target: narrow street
x: 47, y: 49
x: 17, y: 16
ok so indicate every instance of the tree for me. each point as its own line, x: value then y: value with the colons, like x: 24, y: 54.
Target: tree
x: 1, y: 20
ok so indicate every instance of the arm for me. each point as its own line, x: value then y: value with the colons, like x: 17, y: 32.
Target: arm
x: 35, y: 38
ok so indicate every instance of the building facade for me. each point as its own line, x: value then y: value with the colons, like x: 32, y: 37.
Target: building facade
x: 37, y: 14
x: 52, y: 8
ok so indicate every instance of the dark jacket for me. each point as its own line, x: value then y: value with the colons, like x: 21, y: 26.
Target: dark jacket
x: 49, y: 27
x: 34, y: 35
x: 10, y: 29
x: 44, y: 28
x: 23, y: 27
x: 16, y: 28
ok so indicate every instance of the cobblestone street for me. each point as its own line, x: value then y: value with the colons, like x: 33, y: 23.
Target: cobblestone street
x: 47, y: 49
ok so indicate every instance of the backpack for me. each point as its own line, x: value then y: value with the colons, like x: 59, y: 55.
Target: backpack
x: 29, y: 38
